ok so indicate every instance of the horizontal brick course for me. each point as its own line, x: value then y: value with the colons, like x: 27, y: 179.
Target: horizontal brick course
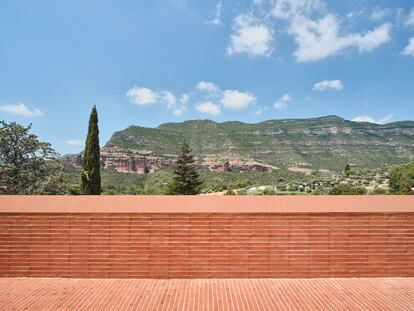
x: 207, y: 245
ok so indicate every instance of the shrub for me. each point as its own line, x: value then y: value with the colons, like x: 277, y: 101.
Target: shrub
x: 378, y: 191
x: 268, y: 191
x: 230, y: 192
x: 347, y: 189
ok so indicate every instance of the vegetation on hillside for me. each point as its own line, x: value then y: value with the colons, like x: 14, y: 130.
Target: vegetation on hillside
x: 374, y: 181
x: 327, y: 142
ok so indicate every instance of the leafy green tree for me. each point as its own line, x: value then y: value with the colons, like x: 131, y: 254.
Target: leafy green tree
x: 402, y: 179
x: 27, y: 165
x: 186, y: 179
x: 91, y: 175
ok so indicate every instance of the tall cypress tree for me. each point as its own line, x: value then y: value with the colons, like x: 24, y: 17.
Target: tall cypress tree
x: 186, y: 179
x: 91, y: 175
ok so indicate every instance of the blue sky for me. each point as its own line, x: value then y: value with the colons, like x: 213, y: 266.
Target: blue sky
x: 153, y: 61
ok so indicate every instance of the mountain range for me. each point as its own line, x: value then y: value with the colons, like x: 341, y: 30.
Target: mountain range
x: 324, y: 143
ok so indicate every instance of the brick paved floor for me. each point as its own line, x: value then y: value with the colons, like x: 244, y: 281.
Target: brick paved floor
x: 214, y: 294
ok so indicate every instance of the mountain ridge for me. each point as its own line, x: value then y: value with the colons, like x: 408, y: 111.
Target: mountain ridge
x: 327, y: 142
x: 316, y: 119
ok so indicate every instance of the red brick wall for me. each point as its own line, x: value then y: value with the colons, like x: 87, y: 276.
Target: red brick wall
x: 206, y: 245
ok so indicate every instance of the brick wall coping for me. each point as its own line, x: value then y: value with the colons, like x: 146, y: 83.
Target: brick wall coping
x: 206, y: 204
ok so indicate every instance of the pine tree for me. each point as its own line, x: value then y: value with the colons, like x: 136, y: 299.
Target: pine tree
x: 186, y: 179
x: 91, y: 175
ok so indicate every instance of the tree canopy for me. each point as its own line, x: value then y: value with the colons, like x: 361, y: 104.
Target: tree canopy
x: 402, y: 179
x: 27, y: 165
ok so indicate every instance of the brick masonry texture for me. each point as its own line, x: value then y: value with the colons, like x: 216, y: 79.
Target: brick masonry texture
x: 214, y: 294
x: 206, y: 245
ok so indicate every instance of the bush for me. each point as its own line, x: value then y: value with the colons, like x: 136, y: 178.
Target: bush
x: 293, y: 188
x: 230, y: 192
x: 242, y: 192
x: 268, y: 191
x: 317, y: 192
x: 347, y: 189
x: 74, y: 189
x: 378, y: 191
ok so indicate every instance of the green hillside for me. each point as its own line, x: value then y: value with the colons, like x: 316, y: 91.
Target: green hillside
x: 319, y: 143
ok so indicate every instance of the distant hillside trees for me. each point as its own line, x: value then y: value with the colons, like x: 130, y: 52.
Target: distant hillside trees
x: 27, y: 165
x: 402, y: 179
x: 186, y: 180
x: 91, y: 175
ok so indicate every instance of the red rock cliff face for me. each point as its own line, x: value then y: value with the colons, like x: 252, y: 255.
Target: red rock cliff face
x: 125, y: 161
x: 139, y: 165
x: 132, y: 164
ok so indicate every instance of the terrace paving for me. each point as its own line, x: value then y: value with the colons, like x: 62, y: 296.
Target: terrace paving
x: 202, y: 294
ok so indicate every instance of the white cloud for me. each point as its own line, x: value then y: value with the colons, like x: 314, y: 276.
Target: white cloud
x: 285, y: 98
x: 237, y: 100
x: 231, y: 99
x: 142, y: 96
x: 209, y: 108
x: 74, y: 142
x: 328, y: 85
x: 355, y: 14
x: 365, y: 118
x: 280, y: 105
x: 250, y: 37
x: 410, y: 18
x: 217, y: 16
x: 319, y: 34
x: 168, y: 99
x: 282, y: 102
x: 286, y: 9
x: 388, y: 118
x: 261, y: 110
x: 322, y: 38
x: 379, y: 14
x: 208, y: 87
x: 213, y: 99
x: 409, y: 49
x: 180, y: 110
x: 184, y: 99
x: 21, y: 110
